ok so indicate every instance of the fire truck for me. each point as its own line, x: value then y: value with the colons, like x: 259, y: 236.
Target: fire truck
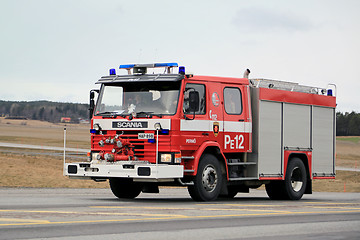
x: 217, y: 136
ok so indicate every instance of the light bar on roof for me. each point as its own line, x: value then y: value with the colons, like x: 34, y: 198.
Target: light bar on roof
x: 127, y: 66
x: 152, y: 65
x: 166, y: 64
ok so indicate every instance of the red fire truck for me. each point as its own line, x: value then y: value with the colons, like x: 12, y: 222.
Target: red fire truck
x: 215, y: 135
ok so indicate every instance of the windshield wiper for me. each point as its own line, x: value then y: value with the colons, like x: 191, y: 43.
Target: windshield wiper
x: 147, y: 114
x: 112, y: 114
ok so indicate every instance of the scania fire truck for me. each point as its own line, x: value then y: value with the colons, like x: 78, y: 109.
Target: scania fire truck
x: 217, y: 136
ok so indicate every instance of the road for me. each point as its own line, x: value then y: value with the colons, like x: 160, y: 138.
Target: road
x: 27, y: 213
x: 40, y: 147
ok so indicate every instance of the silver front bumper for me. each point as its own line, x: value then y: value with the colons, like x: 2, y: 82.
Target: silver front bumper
x: 128, y: 169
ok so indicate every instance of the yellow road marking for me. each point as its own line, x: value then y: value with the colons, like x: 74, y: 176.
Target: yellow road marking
x: 94, y: 213
x: 158, y: 216
x: 266, y: 214
x: 333, y: 203
x: 206, y: 209
x: 240, y: 205
x: 23, y: 220
x: 128, y: 207
x: 176, y: 217
x: 349, y: 208
x: 244, y: 209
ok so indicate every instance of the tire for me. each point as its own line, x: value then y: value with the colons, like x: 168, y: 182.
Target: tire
x: 125, y: 188
x: 232, y: 192
x: 208, y: 180
x: 295, y: 180
x: 275, y: 190
x: 294, y: 185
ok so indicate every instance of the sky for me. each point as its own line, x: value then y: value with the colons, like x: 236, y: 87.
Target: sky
x: 57, y: 49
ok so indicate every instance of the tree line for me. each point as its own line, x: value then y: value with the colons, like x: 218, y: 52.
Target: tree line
x: 347, y: 124
x: 44, y: 110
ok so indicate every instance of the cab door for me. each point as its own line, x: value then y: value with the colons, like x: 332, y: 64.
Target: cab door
x: 194, y: 128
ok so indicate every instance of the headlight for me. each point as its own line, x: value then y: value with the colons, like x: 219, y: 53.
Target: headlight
x: 165, y: 158
x: 170, y: 158
x: 94, y: 156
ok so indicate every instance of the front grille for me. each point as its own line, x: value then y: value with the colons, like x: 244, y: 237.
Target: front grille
x: 143, y: 150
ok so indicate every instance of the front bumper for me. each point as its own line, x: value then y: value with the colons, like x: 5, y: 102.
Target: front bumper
x: 139, y: 171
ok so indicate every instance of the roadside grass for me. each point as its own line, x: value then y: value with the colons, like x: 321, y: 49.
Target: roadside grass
x: 348, y: 152
x: 354, y: 139
x: 44, y: 133
x: 345, y: 181
x: 18, y: 170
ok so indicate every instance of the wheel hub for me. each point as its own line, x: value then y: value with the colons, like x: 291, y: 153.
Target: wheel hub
x: 209, y: 178
x: 296, y: 180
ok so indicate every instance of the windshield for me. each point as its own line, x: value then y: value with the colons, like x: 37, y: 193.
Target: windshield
x: 139, y: 97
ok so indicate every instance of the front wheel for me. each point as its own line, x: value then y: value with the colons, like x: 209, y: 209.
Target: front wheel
x: 125, y: 188
x: 208, y: 180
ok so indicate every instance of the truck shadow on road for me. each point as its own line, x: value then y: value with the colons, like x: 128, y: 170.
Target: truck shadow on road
x: 181, y: 200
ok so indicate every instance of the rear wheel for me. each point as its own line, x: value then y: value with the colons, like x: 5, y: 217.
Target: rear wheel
x: 294, y: 185
x: 125, y: 188
x: 295, y: 180
x: 208, y: 180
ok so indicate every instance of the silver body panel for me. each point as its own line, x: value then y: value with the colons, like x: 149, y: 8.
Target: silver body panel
x: 280, y: 126
x: 324, y: 134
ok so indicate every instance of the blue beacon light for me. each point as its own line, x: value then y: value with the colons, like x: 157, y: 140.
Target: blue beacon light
x: 182, y: 70
x: 112, y: 71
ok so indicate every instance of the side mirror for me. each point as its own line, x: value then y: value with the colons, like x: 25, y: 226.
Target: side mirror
x: 92, y: 102
x: 194, y: 99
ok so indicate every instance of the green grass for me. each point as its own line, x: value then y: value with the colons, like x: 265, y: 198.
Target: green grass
x: 349, y: 139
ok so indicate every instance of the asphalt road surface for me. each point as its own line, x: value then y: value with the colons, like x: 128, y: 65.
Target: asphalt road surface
x: 28, y: 213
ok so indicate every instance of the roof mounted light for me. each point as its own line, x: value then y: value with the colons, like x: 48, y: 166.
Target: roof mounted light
x: 165, y: 65
x: 127, y: 66
x: 142, y: 68
x: 139, y: 70
x: 182, y: 70
x: 112, y: 71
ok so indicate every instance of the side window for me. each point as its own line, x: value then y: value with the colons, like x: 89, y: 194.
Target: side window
x: 202, y: 98
x: 232, y: 100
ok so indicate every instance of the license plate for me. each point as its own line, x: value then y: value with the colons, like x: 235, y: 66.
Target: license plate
x: 146, y: 136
